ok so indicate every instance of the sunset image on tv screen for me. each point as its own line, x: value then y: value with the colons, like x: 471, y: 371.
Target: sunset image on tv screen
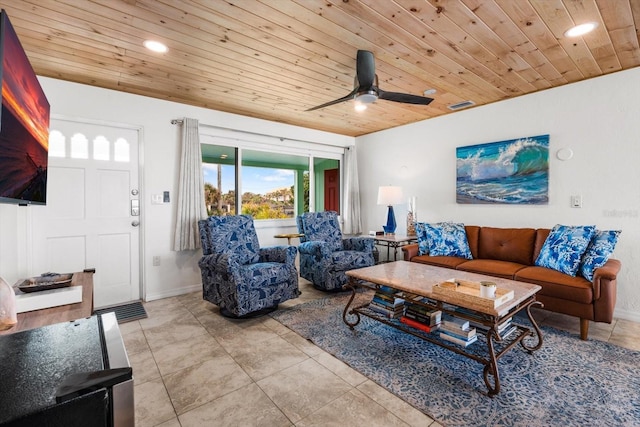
x: 24, y: 127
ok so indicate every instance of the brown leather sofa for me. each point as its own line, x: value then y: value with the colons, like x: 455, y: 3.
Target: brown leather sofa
x: 511, y: 253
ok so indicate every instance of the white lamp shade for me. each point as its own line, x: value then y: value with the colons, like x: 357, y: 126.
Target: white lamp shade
x: 390, y: 195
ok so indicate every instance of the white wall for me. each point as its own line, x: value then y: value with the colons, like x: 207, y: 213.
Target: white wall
x: 178, y: 272
x: 599, y: 119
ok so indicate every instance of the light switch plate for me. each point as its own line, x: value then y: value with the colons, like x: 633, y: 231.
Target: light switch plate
x: 576, y: 201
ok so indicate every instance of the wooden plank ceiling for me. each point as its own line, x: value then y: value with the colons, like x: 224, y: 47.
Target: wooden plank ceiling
x: 273, y: 59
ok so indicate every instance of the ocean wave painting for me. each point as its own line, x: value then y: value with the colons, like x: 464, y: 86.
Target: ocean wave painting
x: 507, y: 172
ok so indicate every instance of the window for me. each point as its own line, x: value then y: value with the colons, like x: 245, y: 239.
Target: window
x: 57, y: 144
x: 219, y: 171
x: 272, y: 185
x: 121, y: 150
x: 79, y: 147
x: 101, y: 148
x: 269, y: 182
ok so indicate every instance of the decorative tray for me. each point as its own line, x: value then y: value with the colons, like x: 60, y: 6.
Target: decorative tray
x: 470, y: 292
x: 45, y: 282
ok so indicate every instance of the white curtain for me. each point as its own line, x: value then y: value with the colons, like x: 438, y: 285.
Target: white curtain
x: 191, y: 203
x: 351, y: 212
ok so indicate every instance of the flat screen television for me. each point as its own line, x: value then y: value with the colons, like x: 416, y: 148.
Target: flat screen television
x: 24, y: 124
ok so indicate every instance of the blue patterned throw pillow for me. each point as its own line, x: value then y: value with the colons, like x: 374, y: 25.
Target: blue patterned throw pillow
x: 421, y: 234
x: 563, y: 249
x: 598, y: 252
x: 448, y: 239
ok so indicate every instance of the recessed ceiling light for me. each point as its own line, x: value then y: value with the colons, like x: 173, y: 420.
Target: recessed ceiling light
x: 429, y: 91
x: 580, y: 30
x: 155, y: 46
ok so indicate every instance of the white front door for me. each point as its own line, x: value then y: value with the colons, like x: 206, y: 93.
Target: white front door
x: 91, y: 219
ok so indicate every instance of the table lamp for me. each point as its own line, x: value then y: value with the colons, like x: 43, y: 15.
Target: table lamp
x: 390, y: 195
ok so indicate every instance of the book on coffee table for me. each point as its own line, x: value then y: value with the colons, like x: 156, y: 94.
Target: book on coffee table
x: 459, y: 341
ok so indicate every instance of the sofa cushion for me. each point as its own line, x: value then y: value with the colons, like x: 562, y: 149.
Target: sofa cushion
x: 263, y: 274
x: 563, y: 249
x: 473, y: 235
x: 507, y: 244
x: 348, y: 260
x: 558, y: 285
x: 439, y: 261
x: 504, y: 269
x: 598, y: 252
x: 541, y: 237
x: 448, y: 239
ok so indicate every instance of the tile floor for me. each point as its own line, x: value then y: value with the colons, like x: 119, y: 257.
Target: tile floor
x: 193, y: 367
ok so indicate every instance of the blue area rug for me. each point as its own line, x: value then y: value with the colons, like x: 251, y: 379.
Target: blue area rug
x: 568, y: 382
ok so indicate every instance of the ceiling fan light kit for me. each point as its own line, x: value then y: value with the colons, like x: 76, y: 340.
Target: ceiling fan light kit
x: 358, y: 106
x: 366, y: 98
x: 366, y: 89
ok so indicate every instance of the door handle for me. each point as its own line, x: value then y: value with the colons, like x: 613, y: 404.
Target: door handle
x: 135, y: 223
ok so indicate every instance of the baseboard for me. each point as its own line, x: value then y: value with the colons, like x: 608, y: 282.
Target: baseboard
x: 174, y: 292
x: 632, y: 316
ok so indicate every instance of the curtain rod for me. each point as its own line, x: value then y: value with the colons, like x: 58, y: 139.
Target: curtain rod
x: 240, y: 132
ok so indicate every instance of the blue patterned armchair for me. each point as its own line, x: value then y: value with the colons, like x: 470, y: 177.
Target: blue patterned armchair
x: 325, y: 256
x: 237, y: 275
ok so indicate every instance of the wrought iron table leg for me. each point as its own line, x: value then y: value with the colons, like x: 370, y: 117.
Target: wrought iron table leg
x: 535, y: 327
x: 491, y: 368
x: 347, y: 312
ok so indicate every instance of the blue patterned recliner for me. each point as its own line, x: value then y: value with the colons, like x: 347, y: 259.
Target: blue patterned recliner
x: 237, y: 275
x: 325, y: 256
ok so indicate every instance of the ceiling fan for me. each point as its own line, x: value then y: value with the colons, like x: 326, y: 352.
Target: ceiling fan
x: 366, y: 88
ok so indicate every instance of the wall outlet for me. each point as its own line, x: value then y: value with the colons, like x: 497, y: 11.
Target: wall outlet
x: 156, y: 260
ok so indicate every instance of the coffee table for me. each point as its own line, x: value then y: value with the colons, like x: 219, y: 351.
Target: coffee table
x: 410, y: 280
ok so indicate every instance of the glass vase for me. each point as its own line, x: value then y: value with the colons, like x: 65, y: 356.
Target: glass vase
x: 411, y: 224
x: 8, y: 316
x: 412, y: 217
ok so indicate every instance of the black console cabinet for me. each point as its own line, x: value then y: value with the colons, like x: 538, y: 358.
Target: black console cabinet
x: 80, y: 354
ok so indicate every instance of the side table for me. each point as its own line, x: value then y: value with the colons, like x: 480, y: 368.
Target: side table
x: 394, y: 241
x: 288, y: 236
x: 63, y: 313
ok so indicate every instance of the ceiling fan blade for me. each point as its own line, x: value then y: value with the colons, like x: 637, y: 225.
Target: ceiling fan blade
x: 335, y: 101
x: 404, y: 98
x: 365, y: 69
